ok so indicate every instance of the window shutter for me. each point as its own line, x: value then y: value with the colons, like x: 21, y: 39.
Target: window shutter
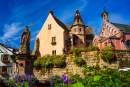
x: 0, y: 69
x: 1, y: 56
x: 9, y: 58
x: 8, y: 70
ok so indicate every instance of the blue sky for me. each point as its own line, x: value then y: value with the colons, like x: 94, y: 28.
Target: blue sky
x: 15, y: 14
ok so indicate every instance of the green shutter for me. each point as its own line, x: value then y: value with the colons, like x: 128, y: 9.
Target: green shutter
x: 1, y: 56
x: 9, y: 58
x: 0, y: 69
x: 8, y: 70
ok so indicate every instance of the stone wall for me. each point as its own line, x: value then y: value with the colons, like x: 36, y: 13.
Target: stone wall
x: 91, y: 58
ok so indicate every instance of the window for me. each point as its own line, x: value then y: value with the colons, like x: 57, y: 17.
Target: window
x: 106, y: 44
x: 80, y: 29
x: 75, y: 30
x: 81, y: 42
x: 49, y: 26
x: 54, y: 52
x: 4, y: 69
x: 128, y: 43
x: 6, y: 56
x: 110, y: 30
x: 115, y: 32
x: 53, y: 38
x: 87, y: 44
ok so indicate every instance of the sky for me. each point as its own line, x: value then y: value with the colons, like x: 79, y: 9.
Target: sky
x: 15, y: 14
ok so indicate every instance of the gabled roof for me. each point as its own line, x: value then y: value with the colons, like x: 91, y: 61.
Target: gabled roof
x: 123, y: 27
x: 61, y: 24
x: 5, y: 48
x: 77, y: 19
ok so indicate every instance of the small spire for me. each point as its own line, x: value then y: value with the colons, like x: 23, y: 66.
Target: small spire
x: 95, y: 32
x: 104, y: 8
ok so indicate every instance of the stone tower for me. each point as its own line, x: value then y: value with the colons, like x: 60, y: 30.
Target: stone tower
x: 78, y: 31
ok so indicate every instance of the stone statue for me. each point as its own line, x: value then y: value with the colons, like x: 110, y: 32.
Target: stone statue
x: 25, y: 37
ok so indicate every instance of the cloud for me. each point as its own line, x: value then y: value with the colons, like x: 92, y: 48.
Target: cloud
x: 11, y: 32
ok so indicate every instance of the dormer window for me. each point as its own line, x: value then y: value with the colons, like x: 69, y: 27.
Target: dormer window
x: 49, y: 26
x: 80, y: 29
x: 75, y: 30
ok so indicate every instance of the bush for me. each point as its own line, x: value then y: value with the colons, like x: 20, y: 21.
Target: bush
x: 107, y: 53
x: 79, y: 61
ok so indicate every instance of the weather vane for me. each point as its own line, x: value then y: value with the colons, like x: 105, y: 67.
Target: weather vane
x: 76, y: 6
x: 31, y: 26
x: 6, y: 40
x: 104, y: 8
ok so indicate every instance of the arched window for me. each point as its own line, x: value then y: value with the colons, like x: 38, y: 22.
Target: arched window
x: 110, y: 31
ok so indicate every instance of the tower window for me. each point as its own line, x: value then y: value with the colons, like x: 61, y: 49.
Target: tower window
x: 80, y: 29
x: 128, y: 43
x: 75, y: 30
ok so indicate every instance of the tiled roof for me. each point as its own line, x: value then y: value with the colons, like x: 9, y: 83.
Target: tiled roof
x: 61, y: 24
x: 77, y: 19
x: 124, y: 27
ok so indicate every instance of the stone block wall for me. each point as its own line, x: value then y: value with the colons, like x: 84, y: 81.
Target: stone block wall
x: 91, y: 58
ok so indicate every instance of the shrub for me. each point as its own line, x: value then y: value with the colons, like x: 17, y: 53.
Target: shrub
x: 107, y: 53
x: 79, y: 61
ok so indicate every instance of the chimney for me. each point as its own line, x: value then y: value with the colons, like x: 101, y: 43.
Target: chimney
x: 50, y: 12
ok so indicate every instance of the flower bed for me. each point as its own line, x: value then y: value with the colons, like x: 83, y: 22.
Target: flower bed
x: 49, y: 61
x: 5, y: 61
x: 22, y: 81
x: 93, y: 78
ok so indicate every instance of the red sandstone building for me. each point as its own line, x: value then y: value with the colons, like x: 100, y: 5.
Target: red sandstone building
x: 112, y: 34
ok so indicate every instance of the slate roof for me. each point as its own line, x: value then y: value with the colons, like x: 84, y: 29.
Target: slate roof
x: 4, y: 48
x: 61, y: 24
x: 124, y: 27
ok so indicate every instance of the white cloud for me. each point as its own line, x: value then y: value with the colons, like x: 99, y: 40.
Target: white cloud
x: 11, y: 32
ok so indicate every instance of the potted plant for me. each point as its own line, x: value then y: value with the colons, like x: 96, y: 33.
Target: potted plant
x: 5, y: 61
x: 53, y: 42
x: 4, y: 74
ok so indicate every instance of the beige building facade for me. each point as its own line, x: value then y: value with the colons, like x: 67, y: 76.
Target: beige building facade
x: 57, y: 38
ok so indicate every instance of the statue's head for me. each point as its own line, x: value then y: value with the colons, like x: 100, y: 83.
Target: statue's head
x: 26, y: 27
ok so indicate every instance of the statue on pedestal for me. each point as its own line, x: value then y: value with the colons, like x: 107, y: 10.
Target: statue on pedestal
x: 25, y: 42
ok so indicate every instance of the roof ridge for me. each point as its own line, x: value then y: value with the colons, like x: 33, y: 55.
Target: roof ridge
x: 60, y: 23
x: 118, y: 23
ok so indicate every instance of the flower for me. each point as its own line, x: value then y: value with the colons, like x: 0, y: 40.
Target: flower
x: 123, y: 83
x: 108, y: 70
x: 97, y: 70
x: 64, y: 78
x: 68, y: 81
x: 95, y: 76
x: 122, y: 76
